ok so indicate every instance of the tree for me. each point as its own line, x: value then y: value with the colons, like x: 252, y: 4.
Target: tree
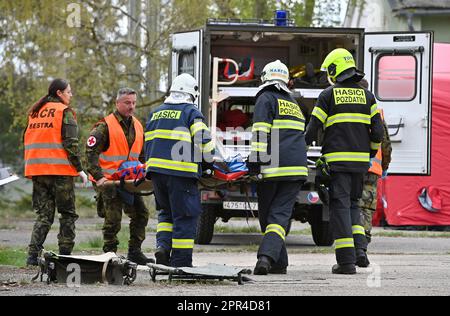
x: 102, y: 45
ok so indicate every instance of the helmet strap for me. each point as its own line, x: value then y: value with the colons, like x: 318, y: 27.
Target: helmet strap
x: 330, y: 80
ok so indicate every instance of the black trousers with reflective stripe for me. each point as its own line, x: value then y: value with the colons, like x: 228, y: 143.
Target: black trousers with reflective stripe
x: 276, y: 201
x: 345, y: 192
x: 178, y: 200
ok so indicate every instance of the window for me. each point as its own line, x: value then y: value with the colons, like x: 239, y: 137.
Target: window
x: 396, y: 78
x: 186, y: 63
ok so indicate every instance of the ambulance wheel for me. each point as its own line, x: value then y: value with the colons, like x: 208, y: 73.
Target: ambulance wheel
x: 205, y: 225
x: 321, y: 231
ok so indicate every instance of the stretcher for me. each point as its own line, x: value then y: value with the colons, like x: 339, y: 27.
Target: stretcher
x: 208, y: 272
x: 214, y: 180
x: 106, y: 268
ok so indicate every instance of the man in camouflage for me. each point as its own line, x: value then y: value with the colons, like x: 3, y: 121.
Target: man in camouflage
x: 109, y: 202
x: 368, y: 201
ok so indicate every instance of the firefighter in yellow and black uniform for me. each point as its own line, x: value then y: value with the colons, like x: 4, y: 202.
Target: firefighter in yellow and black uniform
x: 353, y: 133
x: 279, y: 154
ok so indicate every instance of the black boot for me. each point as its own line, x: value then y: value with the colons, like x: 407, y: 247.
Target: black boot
x: 32, y: 260
x: 361, y: 258
x: 64, y: 252
x: 136, y: 256
x: 278, y: 270
x: 262, y: 266
x: 343, y: 269
x: 162, y: 256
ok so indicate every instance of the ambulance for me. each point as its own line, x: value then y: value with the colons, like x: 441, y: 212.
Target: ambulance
x: 227, y: 56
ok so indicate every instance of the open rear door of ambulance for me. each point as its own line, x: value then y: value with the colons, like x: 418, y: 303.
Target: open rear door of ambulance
x: 187, y: 55
x: 398, y: 67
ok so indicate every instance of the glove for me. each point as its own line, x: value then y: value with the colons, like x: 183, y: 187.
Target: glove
x: 384, y: 174
x: 254, y: 168
x: 207, y: 166
x: 84, y: 178
x: 323, y: 167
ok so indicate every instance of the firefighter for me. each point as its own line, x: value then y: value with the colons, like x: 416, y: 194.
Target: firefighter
x: 278, y: 153
x: 353, y: 133
x: 117, y: 138
x: 379, y: 166
x: 177, y: 141
x: 52, y: 160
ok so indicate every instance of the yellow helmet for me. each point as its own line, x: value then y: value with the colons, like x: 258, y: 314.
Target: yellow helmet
x: 340, y: 65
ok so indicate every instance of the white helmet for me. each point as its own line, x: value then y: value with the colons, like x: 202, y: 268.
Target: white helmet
x: 275, y: 70
x: 185, y: 83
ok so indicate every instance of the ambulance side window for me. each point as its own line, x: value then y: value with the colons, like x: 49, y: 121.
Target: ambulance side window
x: 186, y: 62
x: 396, y: 78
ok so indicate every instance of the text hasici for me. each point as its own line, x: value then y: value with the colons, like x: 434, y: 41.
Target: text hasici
x: 349, y: 95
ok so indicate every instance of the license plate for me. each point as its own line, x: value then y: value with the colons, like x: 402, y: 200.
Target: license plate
x: 235, y: 205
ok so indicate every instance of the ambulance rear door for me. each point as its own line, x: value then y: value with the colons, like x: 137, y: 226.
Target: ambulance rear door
x: 187, y: 55
x: 398, y: 67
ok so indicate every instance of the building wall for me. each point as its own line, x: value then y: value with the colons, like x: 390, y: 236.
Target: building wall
x: 440, y: 25
x: 377, y: 16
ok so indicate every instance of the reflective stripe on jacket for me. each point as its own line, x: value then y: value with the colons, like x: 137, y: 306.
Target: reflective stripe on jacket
x: 278, y: 139
x: 177, y: 140
x: 44, y: 151
x: 119, y: 151
x: 353, y: 127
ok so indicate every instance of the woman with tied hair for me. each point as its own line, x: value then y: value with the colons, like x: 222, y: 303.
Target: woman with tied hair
x: 52, y: 160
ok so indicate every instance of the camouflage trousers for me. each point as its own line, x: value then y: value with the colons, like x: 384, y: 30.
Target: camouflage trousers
x: 50, y: 193
x: 113, y: 205
x: 368, y: 201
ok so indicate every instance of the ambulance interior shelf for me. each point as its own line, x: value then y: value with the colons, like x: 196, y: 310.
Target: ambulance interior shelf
x: 302, y: 52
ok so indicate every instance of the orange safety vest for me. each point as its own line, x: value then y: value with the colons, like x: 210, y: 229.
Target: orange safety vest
x: 376, y: 167
x: 44, y: 151
x: 118, y: 151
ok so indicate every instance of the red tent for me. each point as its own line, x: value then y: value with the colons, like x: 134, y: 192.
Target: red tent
x: 400, y: 193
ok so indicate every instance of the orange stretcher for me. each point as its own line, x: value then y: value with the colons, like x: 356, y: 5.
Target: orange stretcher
x: 215, y: 181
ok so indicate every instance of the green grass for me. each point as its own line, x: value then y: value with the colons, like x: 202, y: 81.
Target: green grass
x: 306, y: 231
x: 16, y: 209
x: 13, y: 256
x: 225, y: 229
x: 228, y: 229
x: 423, y: 234
x: 95, y: 244
x: 7, y: 226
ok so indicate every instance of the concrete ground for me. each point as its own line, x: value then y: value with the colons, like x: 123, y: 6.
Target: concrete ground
x: 408, y: 265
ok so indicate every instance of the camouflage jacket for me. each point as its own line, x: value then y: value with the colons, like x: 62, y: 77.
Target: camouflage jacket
x: 98, y: 142
x: 386, y: 148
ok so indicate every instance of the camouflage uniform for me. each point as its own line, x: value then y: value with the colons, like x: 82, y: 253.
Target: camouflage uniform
x: 109, y: 203
x: 50, y: 192
x: 368, y: 201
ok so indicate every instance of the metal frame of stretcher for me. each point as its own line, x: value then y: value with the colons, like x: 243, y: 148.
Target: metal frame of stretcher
x: 208, y: 272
